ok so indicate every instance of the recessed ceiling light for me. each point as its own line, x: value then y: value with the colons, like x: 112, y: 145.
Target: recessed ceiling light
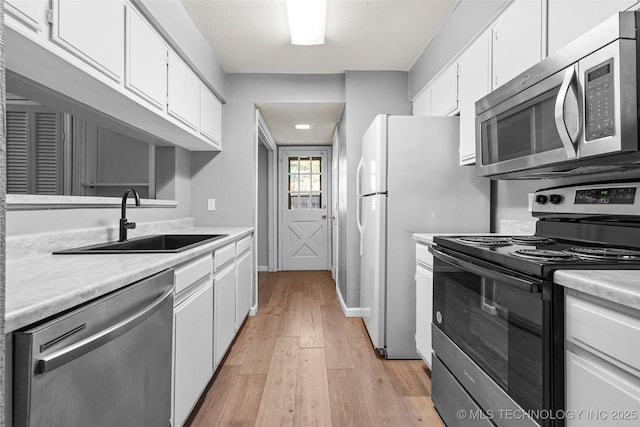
x: 303, y: 126
x: 307, y: 19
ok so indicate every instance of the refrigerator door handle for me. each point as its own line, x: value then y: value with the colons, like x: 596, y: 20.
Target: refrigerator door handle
x: 359, y: 177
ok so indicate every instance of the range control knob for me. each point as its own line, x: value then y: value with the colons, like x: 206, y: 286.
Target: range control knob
x: 541, y: 199
x: 555, y: 198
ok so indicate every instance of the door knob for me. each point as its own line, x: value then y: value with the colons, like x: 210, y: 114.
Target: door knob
x: 324, y: 217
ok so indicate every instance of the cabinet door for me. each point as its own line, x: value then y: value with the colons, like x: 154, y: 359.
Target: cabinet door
x: 424, y: 310
x: 184, y: 93
x: 94, y: 31
x: 564, y: 25
x: 32, y: 13
x: 243, y: 292
x: 601, y: 392
x: 146, y: 60
x: 422, y: 103
x: 444, y: 92
x: 517, y: 40
x: 224, y: 311
x: 474, y: 82
x: 210, y: 115
x: 193, y: 351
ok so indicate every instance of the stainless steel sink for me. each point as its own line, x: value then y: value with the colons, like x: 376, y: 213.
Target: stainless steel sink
x: 161, y: 243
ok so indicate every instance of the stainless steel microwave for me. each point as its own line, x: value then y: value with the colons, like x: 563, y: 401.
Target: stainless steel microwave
x: 575, y: 112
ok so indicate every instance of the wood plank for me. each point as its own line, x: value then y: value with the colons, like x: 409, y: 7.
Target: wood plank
x: 278, y: 398
x: 311, y: 331
x: 327, y: 291
x: 312, y: 406
x: 242, y: 344
x: 292, y: 315
x: 278, y: 300
x: 257, y: 359
x: 243, y: 401
x: 382, y: 401
x: 214, y: 399
x: 405, y: 378
x: 421, y: 412
x: 266, y: 285
x: 336, y: 347
x: 348, y: 408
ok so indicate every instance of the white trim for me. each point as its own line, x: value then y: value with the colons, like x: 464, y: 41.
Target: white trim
x: 272, y: 174
x: 32, y: 201
x: 348, y: 311
x: 254, y: 310
x: 263, y: 269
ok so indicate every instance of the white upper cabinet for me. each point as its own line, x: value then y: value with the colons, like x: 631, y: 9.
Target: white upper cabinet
x: 146, y: 60
x: 474, y: 82
x: 444, y: 92
x: 517, y: 40
x: 422, y: 103
x: 210, y: 115
x: 184, y: 93
x: 564, y: 27
x: 93, y: 31
x: 32, y: 13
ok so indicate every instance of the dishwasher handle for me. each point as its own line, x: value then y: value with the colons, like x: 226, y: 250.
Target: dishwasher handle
x: 67, y: 354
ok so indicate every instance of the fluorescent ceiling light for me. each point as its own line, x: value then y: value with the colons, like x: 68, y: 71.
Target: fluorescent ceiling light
x: 303, y: 126
x: 307, y: 20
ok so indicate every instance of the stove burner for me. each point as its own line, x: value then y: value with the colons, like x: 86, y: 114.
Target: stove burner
x: 610, y: 254
x: 531, y: 240
x: 544, y: 255
x: 486, y: 240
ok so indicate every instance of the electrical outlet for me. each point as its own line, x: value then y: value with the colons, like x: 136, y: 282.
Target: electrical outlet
x: 211, y: 204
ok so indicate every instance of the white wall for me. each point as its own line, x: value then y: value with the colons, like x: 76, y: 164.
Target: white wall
x: 368, y: 93
x: 229, y: 176
x: 39, y: 221
x: 263, y: 206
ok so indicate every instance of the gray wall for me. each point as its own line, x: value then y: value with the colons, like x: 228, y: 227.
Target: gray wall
x: 263, y: 206
x: 341, y: 279
x: 176, y: 26
x: 38, y: 221
x: 229, y: 176
x: 467, y: 21
x: 368, y: 93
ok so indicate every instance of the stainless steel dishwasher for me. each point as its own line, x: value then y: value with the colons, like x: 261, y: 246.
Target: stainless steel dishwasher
x: 106, y: 363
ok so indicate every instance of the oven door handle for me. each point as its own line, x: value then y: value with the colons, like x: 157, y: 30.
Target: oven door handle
x: 516, y: 282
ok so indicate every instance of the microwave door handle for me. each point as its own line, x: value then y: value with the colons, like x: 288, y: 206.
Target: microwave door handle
x: 567, y: 113
x: 514, y: 282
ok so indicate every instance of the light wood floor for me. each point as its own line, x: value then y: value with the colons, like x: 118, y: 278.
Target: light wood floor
x: 301, y: 362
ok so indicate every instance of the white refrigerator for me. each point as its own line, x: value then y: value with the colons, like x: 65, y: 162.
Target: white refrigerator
x: 408, y: 180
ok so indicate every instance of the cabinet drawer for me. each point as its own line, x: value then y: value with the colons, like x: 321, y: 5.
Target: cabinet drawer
x: 243, y: 245
x: 192, y: 272
x: 423, y: 255
x: 223, y: 255
x: 612, y: 333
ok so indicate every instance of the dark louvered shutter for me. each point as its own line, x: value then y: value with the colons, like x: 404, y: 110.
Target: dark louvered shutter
x: 17, y: 152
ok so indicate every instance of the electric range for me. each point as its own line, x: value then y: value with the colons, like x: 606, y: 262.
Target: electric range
x: 498, y: 322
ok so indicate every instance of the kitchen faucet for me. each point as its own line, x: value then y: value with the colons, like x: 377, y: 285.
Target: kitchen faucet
x: 124, y: 225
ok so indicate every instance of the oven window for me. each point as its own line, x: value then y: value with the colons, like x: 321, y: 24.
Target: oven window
x: 496, y: 325
x: 523, y: 131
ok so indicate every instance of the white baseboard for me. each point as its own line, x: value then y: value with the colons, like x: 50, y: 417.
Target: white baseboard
x: 254, y: 310
x: 263, y: 268
x: 348, y: 311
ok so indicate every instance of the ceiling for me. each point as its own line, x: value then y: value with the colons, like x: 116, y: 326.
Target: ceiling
x: 281, y: 119
x: 252, y: 36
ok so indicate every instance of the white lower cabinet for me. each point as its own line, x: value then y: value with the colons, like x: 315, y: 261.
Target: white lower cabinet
x: 602, y: 362
x: 424, y: 302
x: 224, y: 309
x: 192, y: 335
x: 244, y: 269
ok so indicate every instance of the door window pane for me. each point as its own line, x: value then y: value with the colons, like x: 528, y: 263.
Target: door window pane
x: 305, y: 183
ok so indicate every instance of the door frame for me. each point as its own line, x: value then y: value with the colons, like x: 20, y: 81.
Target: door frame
x: 281, y: 196
x: 272, y: 172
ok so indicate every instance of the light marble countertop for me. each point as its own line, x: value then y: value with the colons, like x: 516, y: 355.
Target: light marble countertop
x: 42, y: 286
x: 619, y: 286
x: 428, y: 237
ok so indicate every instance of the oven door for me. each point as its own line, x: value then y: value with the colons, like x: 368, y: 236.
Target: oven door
x: 498, y: 321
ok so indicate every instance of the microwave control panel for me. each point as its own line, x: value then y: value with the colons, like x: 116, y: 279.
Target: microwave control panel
x: 599, y: 102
